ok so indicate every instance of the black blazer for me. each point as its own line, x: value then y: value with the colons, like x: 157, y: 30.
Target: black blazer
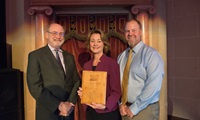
x: 48, y: 84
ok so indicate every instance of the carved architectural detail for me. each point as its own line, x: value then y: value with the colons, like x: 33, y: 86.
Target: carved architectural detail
x: 143, y: 8
x: 141, y: 11
x: 40, y: 9
x: 41, y: 21
x: 78, y: 26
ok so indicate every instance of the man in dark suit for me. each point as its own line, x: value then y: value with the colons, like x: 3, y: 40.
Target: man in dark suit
x: 53, y: 84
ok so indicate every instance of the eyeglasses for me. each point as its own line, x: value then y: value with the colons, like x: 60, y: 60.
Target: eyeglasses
x: 54, y: 33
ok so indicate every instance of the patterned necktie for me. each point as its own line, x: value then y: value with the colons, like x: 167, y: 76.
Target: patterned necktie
x: 58, y: 58
x: 125, y: 78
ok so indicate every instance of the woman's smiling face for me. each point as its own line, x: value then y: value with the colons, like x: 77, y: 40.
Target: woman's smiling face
x: 96, y: 44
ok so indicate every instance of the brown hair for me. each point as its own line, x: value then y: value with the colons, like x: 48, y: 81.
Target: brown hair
x: 103, y: 39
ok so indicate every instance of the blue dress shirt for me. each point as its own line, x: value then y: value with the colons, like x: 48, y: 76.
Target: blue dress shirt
x: 145, y: 78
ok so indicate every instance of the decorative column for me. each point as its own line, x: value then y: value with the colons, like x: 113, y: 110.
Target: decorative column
x: 142, y: 15
x: 41, y: 21
x: 157, y: 40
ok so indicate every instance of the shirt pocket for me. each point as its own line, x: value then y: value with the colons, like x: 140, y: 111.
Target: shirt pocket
x: 138, y: 72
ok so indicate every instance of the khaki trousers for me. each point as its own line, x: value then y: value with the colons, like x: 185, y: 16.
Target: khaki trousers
x: 149, y: 113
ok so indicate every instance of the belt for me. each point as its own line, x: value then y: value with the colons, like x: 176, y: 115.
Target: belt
x: 129, y: 103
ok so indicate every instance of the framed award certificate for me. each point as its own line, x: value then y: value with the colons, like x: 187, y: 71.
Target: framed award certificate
x: 94, y: 87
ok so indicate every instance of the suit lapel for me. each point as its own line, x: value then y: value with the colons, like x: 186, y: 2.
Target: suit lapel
x: 51, y: 57
x: 66, y: 62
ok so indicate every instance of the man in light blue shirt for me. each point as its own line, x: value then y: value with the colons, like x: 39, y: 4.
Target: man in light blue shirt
x: 145, y: 77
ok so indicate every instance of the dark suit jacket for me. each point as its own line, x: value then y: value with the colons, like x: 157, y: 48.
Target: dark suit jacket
x: 113, y: 89
x: 48, y: 84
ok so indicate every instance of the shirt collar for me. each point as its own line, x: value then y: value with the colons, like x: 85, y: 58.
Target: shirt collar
x: 138, y: 46
x: 53, y: 49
